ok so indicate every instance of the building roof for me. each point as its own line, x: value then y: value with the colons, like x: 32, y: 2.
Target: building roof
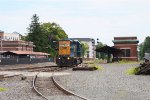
x: 83, y: 39
x: 17, y: 33
x: 126, y: 37
x: 25, y: 53
x: 108, y: 50
x: 125, y: 41
x: 1, y: 31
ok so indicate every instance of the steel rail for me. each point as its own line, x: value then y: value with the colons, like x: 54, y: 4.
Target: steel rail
x: 60, y: 87
x: 35, y: 89
x: 66, y: 91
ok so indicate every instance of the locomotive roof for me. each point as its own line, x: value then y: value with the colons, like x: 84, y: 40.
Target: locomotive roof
x: 72, y: 40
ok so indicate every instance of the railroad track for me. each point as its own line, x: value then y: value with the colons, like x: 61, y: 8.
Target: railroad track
x: 29, y: 68
x: 57, y: 86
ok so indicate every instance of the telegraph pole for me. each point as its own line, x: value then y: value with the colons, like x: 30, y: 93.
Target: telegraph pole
x: 97, y: 44
x: 1, y: 45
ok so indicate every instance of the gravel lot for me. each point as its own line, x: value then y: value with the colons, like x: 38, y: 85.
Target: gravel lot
x: 17, y: 89
x: 111, y: 83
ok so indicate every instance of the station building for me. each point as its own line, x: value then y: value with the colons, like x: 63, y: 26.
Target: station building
x: 128, y: 45
x: 11, y: 45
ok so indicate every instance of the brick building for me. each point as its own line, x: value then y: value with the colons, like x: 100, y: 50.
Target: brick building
x: 13, y: 42
x: 13, y: 50
x: 128, y: 45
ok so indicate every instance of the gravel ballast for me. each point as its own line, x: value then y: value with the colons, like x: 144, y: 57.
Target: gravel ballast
x: 17, y: 89
x: 20, y: 87
x: 111, y: 83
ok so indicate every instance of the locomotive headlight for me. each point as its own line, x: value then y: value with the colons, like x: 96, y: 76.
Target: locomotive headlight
x: 68, y: 58
x: 58, y: 58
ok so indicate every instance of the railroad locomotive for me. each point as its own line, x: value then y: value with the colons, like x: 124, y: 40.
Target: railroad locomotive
x: 69, y: 53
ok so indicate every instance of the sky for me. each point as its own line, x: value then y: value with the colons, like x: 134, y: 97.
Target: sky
x: 103, y: 19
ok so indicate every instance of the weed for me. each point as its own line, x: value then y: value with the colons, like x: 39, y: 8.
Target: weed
x: 132, y: 71
x: 2, y: 89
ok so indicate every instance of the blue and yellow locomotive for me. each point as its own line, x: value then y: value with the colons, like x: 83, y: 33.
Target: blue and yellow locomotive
x: 69, y: 52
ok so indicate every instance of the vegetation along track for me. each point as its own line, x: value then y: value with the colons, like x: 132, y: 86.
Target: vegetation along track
x: 49, y: 87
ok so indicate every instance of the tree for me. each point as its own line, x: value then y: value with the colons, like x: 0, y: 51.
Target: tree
x: 85, y: 48
x: 35, y: 34
x: 141, y: 51
x: 100, y: 54
x: 43, y: 35
x: 53, y: 32
x: 144, y: 47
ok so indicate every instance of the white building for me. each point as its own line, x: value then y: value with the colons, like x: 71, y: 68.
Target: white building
x: 11, y: 36
x: 13, y: 42
x: 91, y: 53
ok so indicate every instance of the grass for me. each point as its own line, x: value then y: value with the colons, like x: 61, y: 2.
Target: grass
x: 96, y: 66
x: 89, y: 62
x: 93, y: 64
x: 126, y: 62
x: 132, y: 71
x: 2, y: 89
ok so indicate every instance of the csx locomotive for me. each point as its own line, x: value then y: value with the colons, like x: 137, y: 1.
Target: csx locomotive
x: 69, y: 53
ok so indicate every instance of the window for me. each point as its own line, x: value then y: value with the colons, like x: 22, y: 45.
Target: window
x: 126, y: 52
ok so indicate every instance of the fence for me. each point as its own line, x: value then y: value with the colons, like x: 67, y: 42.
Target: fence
x: 12, y: 61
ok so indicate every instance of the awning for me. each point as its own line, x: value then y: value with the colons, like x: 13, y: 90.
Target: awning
x: 108, y: 50
x: 24, y: 53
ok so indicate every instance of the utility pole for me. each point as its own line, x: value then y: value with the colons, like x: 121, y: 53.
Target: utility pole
x: 1, y: 45
x: 97, y: 44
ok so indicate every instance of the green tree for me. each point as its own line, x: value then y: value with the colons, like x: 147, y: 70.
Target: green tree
x: 85, y: 48
x: 43, y: 35
x: 35, y: 34
x: 141, y: 51
x: 100, y: 55
x: 144, y: 47
x: 53, y: 32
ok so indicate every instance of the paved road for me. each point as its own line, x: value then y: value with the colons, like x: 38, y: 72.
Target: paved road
x: 109, y: 84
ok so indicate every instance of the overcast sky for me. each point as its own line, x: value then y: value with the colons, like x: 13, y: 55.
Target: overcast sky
x: 103, y: 19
